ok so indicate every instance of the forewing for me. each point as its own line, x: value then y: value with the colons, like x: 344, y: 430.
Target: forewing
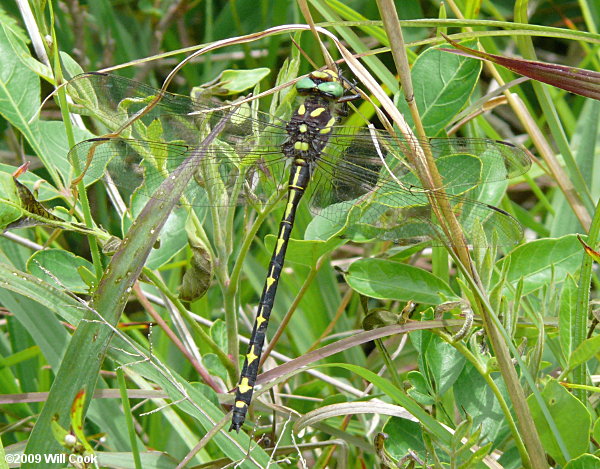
x: 244, y: 162
x: 139, y: 166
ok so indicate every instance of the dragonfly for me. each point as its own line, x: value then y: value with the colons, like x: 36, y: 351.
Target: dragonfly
x: 358, y: 180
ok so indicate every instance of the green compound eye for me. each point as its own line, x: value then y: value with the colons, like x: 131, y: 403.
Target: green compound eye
x: 331, y: 88
x: 305, y: 84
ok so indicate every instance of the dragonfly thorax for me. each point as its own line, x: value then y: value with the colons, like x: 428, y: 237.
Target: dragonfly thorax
x: 309, y: 129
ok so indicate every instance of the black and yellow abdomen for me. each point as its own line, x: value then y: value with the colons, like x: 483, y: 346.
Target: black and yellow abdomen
x: 308, y: 132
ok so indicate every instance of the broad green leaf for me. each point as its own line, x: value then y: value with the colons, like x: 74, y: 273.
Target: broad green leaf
x: 568, y: 297
x: 420, y: 390
x: 218, y: 333
x: 11, y: 211
x: 442, y: 84
x: 474, y: 396
x: 214, y: 366
x: 596, y: 430
x: 571, y: 417
x: 20, y: 91
x: 322, y: 229
x: 445, y: 364
x: 233, y: 82
x: 404, y: 435
x: 54, y: 144
x: 44, y: 191
x: 538, y: 262
x: 172, y: 239
x: 305, y: 252
x: 380, y: 278
x: 585, y: 351
x: 59, y: 268
x: 585, y: 461
x: 70, y: 66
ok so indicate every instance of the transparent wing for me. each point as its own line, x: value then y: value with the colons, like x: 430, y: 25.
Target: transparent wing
x: 222, y: 178
x: 362, y: 180
x: 114, y: 100
x: 365, y: 184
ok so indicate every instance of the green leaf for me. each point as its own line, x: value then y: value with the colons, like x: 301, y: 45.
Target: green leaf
x: 60, y: 268
x: 444, y: 362
x: 404, y: 435
x: 10, y: 202
x: 420, y: 390
x: 568, y: 298
x: 20, y: 91
x: 172, y: 237
x: 596, y: 431
x: 70, y: 66
x: 44, y: 191
x: 443, y: 84
x: 380, y: 278
x: 305, y: 252
x: 585, y: 461
x: 150, y: 460
x: 475, y: 397
x: 218, y: 333
x: 585, y: 351
x: 542, y: 261
x: 323, y: 229
x: 571, y: 417
x: 55, y: 146
x: 233, y: 82
x: 564, y: 220
x: 214, y: 366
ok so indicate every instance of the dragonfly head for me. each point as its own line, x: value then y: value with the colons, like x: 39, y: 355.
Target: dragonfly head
x: 324, y: 83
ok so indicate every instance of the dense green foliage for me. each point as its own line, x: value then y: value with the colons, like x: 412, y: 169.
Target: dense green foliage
x: 459, y: 356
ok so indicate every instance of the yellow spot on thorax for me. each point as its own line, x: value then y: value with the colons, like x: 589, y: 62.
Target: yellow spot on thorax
x: 317, y: 112
x: 327, y: 128
x: 301, y: 146
x: 302, y: 110
x: 303, y: 128
x: 240, y: 404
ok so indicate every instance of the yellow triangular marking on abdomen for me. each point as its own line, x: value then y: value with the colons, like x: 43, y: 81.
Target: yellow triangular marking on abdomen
x: 244, y: 387
x: 251, y: 356
x: 259, y: 320
x: 280, y: 242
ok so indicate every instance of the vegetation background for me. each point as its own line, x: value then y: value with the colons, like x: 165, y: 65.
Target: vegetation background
x: 521, y: 394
